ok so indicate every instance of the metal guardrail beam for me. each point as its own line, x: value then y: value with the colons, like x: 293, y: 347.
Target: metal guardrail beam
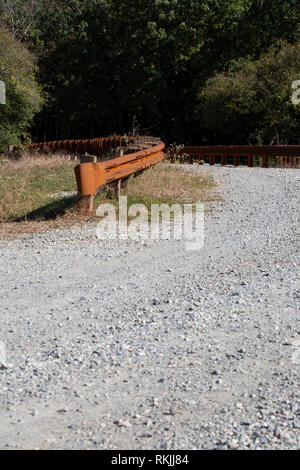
x: 98, y: 146
x: 91, y: 176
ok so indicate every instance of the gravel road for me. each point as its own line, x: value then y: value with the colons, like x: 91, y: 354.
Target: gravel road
x: 130, y: 345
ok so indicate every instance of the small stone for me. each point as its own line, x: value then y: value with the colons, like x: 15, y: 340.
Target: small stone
x: 233, y: 444
x: 11, y: 444
x: 62, y: 410
x: 122, y: 423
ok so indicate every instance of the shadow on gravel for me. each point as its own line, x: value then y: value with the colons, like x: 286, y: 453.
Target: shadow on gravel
x: 50, y: 211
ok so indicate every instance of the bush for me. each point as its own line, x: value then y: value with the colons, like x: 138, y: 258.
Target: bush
x: 23, y: 94
x: 253, y: 102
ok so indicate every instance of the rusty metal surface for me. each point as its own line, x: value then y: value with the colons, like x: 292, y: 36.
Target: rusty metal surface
x: 287, y: 156
x: 98, y: 146
x: 262, y: 150
x: 91, y: 176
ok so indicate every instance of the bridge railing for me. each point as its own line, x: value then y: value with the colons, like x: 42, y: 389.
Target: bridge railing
x: 284, y: 156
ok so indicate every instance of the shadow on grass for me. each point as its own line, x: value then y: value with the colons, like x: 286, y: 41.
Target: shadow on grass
x: 50, y: 211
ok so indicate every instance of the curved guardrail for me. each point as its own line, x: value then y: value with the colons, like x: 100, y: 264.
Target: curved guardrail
x: 135, y: 155
x: 91, y: 176
x: 98, y: 146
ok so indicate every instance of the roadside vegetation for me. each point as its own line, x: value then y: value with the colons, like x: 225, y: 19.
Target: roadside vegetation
x: 30, y: 190
x: 38, y: 193
x: 18, y: 70
x: 253, y: 99
x: 163, y: 184
x: 200, y: 72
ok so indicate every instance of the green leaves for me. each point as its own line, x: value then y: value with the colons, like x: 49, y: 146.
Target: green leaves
x: 253, y: 101
x: 102, y: 62
x: 23, y: 94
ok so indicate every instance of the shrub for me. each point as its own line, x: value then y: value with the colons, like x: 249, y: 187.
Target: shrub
x: 253, y: 100
x: 23, y: 94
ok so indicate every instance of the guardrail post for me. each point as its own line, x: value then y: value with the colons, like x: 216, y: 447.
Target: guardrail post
x: 86, y: 158
x: 117, y: 189
x: 265, y: 162
x: 236, y: 160
x: 85, y: 204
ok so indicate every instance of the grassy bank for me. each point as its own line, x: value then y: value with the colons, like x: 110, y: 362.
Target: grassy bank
x: 28, y: 187
x: 163, y: 183
x: 39, y: 193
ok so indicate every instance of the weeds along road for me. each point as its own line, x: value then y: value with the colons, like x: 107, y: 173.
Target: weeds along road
x: 128, y: 346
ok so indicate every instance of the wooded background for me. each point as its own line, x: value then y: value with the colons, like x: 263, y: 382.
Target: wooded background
x: 202, y: 72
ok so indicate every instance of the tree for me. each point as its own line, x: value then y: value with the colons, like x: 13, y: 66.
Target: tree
x: 104, y: 62
x: 253, y: 102
x: 18, y: 16
x: 23, y: 94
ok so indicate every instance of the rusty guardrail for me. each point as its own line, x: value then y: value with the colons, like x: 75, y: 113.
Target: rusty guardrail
x: 98, y: 146
x: 92, y: 175
x: 287, y: 156
x: 135, y: 155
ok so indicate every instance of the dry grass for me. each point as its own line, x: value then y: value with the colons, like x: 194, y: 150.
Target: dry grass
x: 28, y: 160
x: 26, y: 185
x: 176, y: 184
x: 30, y: 200
x: 164, y: 184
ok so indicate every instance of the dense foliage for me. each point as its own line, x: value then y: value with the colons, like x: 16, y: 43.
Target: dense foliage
x: 253, y: 101
x: 23, y: 96
x: 106, y: 63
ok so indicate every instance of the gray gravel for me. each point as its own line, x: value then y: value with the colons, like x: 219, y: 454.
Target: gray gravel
x: 130, y: 345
